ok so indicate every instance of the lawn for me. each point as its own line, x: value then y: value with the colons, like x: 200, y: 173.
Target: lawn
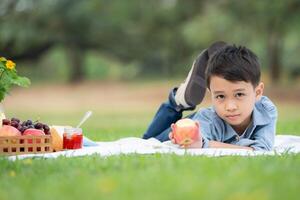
x: 123, y: 111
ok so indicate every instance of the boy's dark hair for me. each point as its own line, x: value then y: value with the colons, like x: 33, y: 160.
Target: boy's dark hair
x: 234, y: 64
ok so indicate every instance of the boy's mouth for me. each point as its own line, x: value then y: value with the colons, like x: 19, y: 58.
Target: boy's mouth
x: 232, y: 117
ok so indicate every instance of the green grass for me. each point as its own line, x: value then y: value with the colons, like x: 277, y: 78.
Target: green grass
x: 149, y: 176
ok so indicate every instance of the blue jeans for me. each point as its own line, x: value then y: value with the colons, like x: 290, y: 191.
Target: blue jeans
x: 168, y: 113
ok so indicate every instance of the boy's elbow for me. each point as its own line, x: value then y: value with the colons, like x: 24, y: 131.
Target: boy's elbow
x: 263, y: 144
x: 262, y: 147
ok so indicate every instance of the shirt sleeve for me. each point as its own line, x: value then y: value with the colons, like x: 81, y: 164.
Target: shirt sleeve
x: 263, y: 136
x: 209, y: 127
x: 263, y: 139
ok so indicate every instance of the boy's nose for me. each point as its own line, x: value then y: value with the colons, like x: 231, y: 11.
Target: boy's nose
x: 230, y: 106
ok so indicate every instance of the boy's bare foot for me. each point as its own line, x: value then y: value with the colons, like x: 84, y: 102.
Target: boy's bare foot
x: 192, y: 91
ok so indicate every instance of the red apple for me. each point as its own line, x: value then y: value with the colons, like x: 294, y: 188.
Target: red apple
x: 185, y: 132
x: 7, y: 130
x: 32, y: 131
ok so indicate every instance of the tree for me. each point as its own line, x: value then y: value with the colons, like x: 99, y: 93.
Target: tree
x: 273, y: 19
x: 148, y: 32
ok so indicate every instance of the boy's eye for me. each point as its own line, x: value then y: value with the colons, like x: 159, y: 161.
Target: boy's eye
x: 220, y: 96
x: 240, y: 94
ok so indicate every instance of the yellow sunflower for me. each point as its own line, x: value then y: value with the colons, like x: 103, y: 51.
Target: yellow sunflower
x: 10, y: 65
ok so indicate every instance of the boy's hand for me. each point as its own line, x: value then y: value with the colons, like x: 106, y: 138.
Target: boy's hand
x: 194, y: 144
x: 172, y: 138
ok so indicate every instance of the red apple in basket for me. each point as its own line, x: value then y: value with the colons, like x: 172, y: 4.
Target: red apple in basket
x: 32, y: 131
x: 186, y: 132
x: 7, y: 130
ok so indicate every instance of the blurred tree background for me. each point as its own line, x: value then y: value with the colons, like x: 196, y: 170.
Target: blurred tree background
x: 75, y: 40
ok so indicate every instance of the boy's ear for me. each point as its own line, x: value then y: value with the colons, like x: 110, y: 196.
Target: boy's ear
x: 259, y: 90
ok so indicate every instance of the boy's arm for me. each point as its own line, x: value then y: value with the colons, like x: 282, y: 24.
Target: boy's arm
x: 262, y: 139
x: 211, y: 144
x: 215, y: 144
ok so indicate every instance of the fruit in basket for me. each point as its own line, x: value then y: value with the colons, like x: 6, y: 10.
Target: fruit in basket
x: 7, y: 130
x: 14, y: 124
x: 5, y: 122
x: 15, y: 120
x: 185, y: 131
x: 39, y: 125
x: 27, y: 124
x: 33, y: 131
x: 14, y: 127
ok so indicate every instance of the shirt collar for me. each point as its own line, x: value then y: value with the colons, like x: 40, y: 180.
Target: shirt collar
x: 259, y: 117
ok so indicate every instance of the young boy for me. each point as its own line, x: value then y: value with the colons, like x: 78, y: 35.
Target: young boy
x: 240, y: 116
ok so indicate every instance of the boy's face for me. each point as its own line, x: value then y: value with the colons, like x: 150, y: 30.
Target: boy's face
x: 234, y: 101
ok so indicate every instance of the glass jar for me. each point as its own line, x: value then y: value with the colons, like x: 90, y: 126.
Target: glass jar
x: 72, y: 138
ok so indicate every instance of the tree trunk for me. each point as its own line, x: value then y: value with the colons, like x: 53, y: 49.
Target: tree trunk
x: 76, y: 60
x: 275, y: 55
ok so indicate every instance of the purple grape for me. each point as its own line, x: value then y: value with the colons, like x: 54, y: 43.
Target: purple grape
x: 28, y: 122
x: 23, y: 123
x: 14, y: 124
x: 5, y: 122
x: 38, y: 125
x: 15, y: 119
x: 30, y: 126
x: 46, y: 128
x: 22, y: 129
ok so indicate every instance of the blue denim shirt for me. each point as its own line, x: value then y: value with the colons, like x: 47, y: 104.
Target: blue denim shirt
x: 259, y: 135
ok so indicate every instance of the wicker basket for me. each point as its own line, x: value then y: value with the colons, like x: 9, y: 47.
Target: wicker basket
x: 28, y: 144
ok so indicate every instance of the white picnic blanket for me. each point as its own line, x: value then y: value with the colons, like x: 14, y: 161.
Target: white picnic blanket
x: 284, y: 144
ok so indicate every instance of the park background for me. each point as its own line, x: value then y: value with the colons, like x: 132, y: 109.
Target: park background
x: 120, y: 59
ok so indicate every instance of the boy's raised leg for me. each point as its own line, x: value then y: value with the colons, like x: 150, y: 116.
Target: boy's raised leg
x: 191, y: 92
x: 186, y: 97
x: 168, y: 113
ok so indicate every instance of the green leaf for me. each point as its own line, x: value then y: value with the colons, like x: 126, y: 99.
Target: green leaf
x: 21, y: 81
x: 2, y: 93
